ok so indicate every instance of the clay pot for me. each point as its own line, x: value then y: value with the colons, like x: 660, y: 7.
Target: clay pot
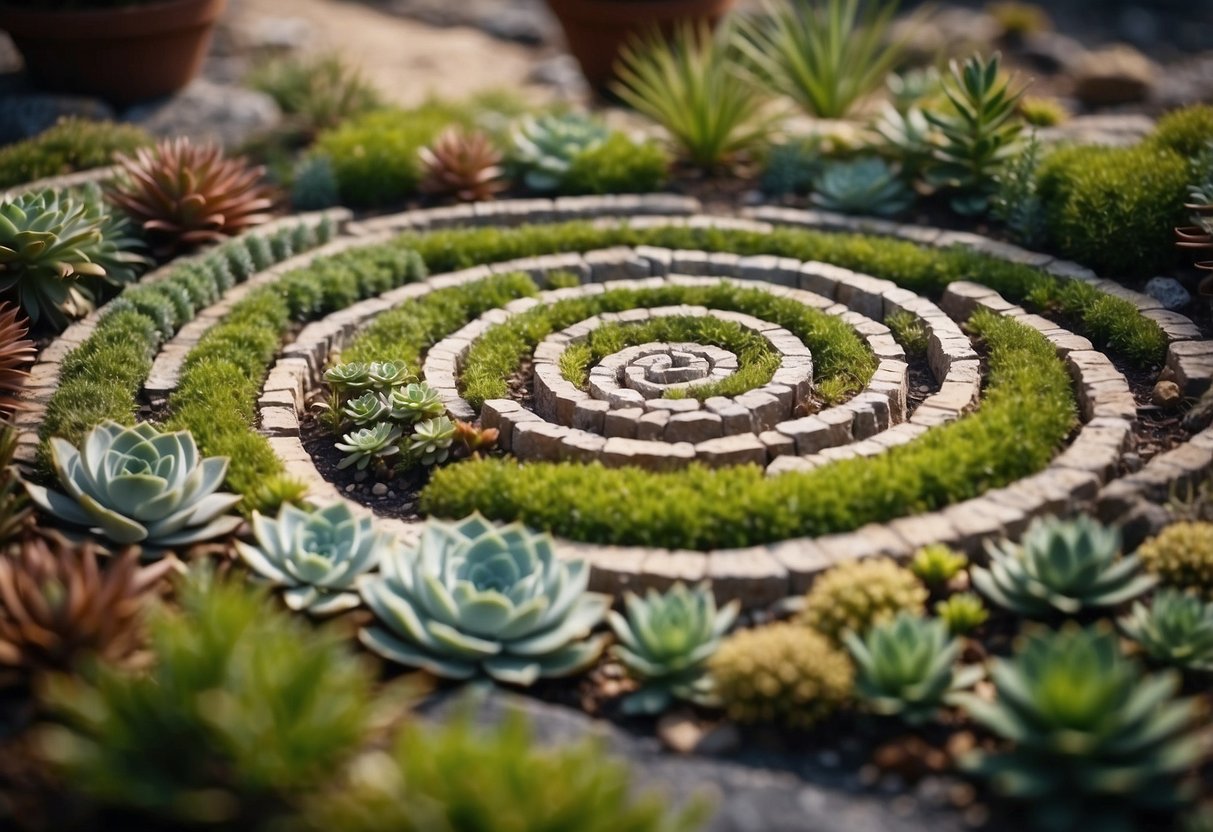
x: 123, y: 55
x: 597, y: 29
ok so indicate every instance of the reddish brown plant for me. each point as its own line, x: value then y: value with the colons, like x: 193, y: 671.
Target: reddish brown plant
x: 58, y: 604
x: 463, y: 164
x: 16, y: 354
x: 186, y: 195
x: 475, y: 439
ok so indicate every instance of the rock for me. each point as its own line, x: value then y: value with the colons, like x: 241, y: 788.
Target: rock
x: 951, y: 31
x: 518, y: 24
x: 1169, y: 292
x: 723, y: 739
x: 1111, y: 130
x: 1116, y: 75
x: 1051, y: 51
x: 1166, y: 394
x: 379, y: 489
x: 208, y: 111
x: 27, y: 114
x: 679, y: 732
x: 563, y: 73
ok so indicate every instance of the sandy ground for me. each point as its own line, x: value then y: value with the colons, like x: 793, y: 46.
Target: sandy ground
x: 408, y: 61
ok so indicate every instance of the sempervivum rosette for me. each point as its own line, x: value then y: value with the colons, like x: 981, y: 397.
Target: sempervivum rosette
x: 317, y: 556
x: 477, y: 598
x: 138, y: 485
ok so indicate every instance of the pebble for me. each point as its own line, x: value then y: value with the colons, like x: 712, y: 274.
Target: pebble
x: 1166, y: 394
x: 1132, y: 462
x: 379, y: 489
x: 1169, y: 292
x: 361, y: 476
x: 349, y: 489
x: 679, y: 732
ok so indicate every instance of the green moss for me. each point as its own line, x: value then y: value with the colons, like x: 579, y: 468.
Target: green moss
x: 616, y: 166
x: 374, y: 157
x: 73, y: 144
x: 1027, y: 412
x: 838, y: 353
x: 1187, y: 132
x: 1114, y: 209
x: 757, y: 361
x: 1116, y: 325
x: 909, y: 331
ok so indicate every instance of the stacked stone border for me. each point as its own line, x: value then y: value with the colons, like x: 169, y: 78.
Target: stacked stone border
x: 761, y: 574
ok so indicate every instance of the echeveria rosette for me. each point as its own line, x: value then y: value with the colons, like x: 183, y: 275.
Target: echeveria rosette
x: 431, y: 441
x: 906, y: 667
x: 416, y: 402
x: 138, y: 485
x: 1061, y: 567
x: 366, y: 409
x: 345, y: 378
x: 318, y: 556
x: 367, y: 444
x: 474, y: 598
x: 545, y: 147
x: 386, y: 376
x: 1176, y: 629
x: 665, y: 641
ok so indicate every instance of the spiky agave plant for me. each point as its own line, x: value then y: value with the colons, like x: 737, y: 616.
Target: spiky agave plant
x: 184, y: 195
x: 462, y: 164
x: 58, y: 604
x: 16, y: 353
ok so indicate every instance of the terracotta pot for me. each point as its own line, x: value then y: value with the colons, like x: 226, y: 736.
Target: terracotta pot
x: 596, y: 29
x: 123, y: 55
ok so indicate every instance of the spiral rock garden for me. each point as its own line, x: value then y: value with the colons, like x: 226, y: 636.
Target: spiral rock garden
x: 387, y: 486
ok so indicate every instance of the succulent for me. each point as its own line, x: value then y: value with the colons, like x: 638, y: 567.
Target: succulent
x: 827, y: 56
x: 14, y: 504
x: 245, y: 708
x: 138, y: 485
x: 16, y: 353
x: 476, y: 598
x: 1094, y: 738
x: 185, y: 195
x: 58, y: 605
x: 937, y: 564
x: 689, y: 84
x: 120, y: 250
x: 475, y: 439
x: 906, y: 667
x: 857, y: 595
x: 1017, y: 203
x: 364, y: 445
x: 1176, y: 629
x: 979, y: 132
x: 1061, y: 567
x: 913, y: 87
x: 314, y: 184
x: 792, y: 167
x: 665, y: 641
x: 907, y: 138
x: 962, y: 613
x: 431, y: 441
x: 1182, y: 555
x: 415, y: 402
x: 345, y: 378
x: 544, y: 147
x: 317, y: 92
x: 368, y: 408
x: 386, y: 376
x: 781, y: 673
x: 463, y: 164
x: 317, y: 555
x: 864, y: 186
x: 48, y: 242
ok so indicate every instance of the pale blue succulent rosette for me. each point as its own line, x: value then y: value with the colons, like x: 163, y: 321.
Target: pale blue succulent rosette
x: 665, y: 641
x: 136, y: 485
x: 317, y: 556
x: 474, y: 598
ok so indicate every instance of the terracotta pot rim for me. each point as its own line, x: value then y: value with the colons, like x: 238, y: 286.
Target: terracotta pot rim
x: 637, y: 11
x: 109, y: 24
